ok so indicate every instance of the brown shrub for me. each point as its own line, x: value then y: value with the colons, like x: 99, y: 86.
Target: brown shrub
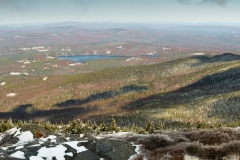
x: 213, y: 152
x: 155, y: 141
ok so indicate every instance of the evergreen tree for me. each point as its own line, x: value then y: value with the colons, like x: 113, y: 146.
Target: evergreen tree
x: 103, y: 127
x: 113, y: 125
x: 150, y: 127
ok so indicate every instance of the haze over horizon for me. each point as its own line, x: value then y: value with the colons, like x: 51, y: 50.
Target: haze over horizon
x: 124, y: 11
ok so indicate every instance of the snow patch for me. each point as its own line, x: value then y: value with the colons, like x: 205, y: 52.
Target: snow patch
x: 129, y: 59
x: 15, y: 73
x: 45, y: 78
x: 133, y: 59
x: 26, y: 62
x: 108, y: 51
x: 137, y: 150
x: 35, y: 158
x: 197, y: 54
x: 81, y: 135
x: 48, y: 57
x: 188, y: 157
x: 25, y: 137
x: 166, y: 48
x: 12, y: 131
x: 75, y: 64
x: 18, y: 154
x: 18, y: 147
x: 48, y: 153
x: 35, y: 145
x: 74, y: 145
x: 52, y: 139
x: 11, y: 94
x: 151, y: 54
x: 4, y: 148
x: 1, y: 136
x: 17, y: 132
x: 2, y: 84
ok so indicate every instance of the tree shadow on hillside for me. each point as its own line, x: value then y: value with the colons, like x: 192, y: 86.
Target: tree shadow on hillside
x: 226, y: 57
x: 103, y: 96
x: 68, y: 111
x: 54, y: 115
x: 218, y: 83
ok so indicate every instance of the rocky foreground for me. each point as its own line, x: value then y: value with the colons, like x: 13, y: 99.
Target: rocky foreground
x: 36, y: 143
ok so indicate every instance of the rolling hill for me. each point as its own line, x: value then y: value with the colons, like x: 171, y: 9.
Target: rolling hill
x: 199, y: 91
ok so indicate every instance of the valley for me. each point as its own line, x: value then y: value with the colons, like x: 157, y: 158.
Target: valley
x: 150, y: 78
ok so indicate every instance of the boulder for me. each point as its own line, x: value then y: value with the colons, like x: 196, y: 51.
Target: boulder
x: 34, y: 141
x: 114, y: 149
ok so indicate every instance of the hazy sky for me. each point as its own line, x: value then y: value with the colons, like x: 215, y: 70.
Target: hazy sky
x: 195, y: 11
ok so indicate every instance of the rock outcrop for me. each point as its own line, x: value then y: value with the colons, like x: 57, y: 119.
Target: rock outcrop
x: 34, y: 142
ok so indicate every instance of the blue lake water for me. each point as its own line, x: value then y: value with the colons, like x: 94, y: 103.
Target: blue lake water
x: 84, y: 58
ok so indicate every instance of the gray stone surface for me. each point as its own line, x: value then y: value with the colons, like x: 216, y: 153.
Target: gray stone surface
x: 96, y: 148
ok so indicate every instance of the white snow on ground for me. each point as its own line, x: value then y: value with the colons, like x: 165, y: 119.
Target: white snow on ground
x: 81, y: 135
x: 26, y: 62
x: 58, y: 152
x: 68, y: 138
x: 1, y: 136
x: 35, y: 145
x: 197, y: 54
x: 18, y: 154
x: 108, y: 51
x: 137, y: 150
x: 35, y: 158
x: 151, y: 53
x: 133, y: 59
x: 129, y: 59
x: 11, y: 94
x: 17, y: 132
x: 26, y: 73
x: 4, y: 148
x: 19, y: 147
x: 2, y: 84
x: 25, y: 137
x: 52, y: 139
x: 187, y: 157
x: 12, y: 131
x: 45, y: 78
x: 15, y: 73
x: 73, y: 144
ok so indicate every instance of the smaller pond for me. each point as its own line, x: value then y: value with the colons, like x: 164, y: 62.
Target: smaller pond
x: 84, y: 58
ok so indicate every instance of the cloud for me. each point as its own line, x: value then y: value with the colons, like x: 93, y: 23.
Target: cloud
x: 213, y: 2
x: 184, y: 1
x: 217, y: 2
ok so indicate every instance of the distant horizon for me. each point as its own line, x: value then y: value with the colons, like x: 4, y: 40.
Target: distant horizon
x: 14, y: 12
x: 123, y: 23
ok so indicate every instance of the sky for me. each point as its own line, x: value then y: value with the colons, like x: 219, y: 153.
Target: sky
x: 126, y: 11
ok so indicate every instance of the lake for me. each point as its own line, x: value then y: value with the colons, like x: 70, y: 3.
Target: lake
x: 84, y: 58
